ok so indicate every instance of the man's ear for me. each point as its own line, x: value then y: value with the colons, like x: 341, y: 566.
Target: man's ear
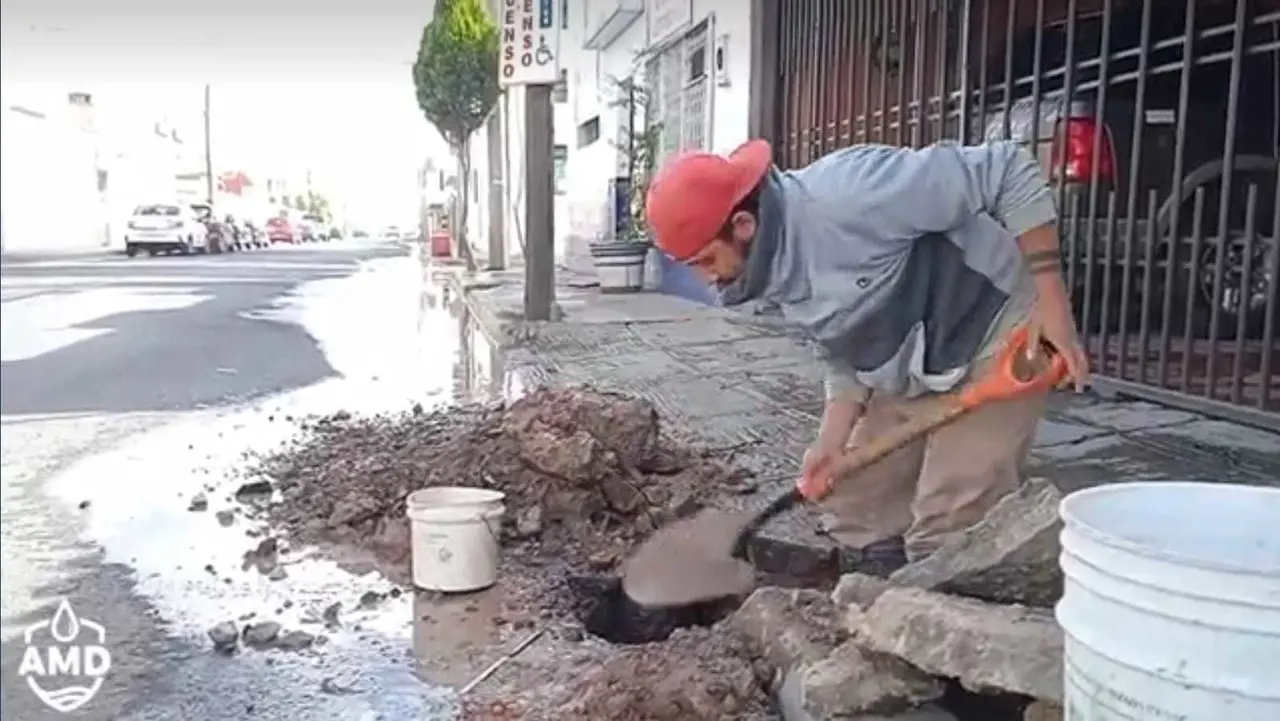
x: 744, y: 225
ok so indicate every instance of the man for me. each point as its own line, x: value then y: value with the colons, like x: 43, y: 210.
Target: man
x: 909, y: 267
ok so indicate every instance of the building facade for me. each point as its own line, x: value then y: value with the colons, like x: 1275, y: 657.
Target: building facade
x: 52, y: 180
x: 692, y: 59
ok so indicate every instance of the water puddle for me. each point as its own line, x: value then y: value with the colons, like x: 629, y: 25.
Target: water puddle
x: 164, y: 503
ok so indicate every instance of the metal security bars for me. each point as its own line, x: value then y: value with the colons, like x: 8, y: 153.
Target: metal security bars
x: 1158, y: 122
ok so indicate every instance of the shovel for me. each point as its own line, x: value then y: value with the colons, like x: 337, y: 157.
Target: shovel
x: 700, y: 558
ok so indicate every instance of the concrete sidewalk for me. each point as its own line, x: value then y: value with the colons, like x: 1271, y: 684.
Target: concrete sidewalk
x: 746, y: 383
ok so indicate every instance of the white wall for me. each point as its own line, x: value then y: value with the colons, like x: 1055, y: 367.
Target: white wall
x: 582, y: 211
x: 49, y: 198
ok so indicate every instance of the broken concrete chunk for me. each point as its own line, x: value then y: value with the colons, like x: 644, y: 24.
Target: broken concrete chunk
x: 296, y: 640
x: 858, y: 589
x: 1043, y: 710
x: 853, y: 681
x: 984, y: 645
x: 199, y: 502
x: 261, y: 634
x: 1010, y: 556
x: 225, y: 636
x: 788, y: 626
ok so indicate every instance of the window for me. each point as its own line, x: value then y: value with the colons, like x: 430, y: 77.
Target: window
x: 589, y: 132
x: 560, y: 156
x: 165, y: 210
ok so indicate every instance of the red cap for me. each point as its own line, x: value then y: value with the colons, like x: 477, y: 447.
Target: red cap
x: 691, y: 197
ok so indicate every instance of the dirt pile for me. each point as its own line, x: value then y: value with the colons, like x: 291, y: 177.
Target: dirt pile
x: 698, y: 673
x: 586, y: 473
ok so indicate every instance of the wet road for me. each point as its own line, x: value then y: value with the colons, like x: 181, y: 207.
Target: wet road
x: 131, y: 386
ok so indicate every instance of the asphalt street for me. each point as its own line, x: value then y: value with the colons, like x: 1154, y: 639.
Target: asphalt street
x: 97, y: 350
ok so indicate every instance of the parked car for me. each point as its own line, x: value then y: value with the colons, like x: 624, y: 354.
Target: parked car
x: 165, y: 227
x: 391, y: 232
x: 315, y: 227
x: 1067, y: 129
x: 280, y: 230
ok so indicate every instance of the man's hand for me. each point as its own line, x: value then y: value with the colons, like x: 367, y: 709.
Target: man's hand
x: 1058, y: 328
x: 819, y: 458
x: 1052, y: 313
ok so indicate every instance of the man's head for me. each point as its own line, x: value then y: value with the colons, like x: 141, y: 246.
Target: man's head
x: 702, y: 208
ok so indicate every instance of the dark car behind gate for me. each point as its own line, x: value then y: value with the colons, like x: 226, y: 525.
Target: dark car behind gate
x: 1158, y: 122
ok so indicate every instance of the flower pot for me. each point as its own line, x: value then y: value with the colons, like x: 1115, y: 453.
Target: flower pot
x: 620, y: 265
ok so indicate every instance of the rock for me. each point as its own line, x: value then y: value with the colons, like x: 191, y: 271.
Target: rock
x: 788, y: 626
x: 277, y: 574
x: 225, y: 517
x: 852, y: 682
x: 529, y: 522
x: 1043, y: 710
x: 261, y: 634
x: 984, y: 645
x: 253, y: 490
x: 296, y: 640
x: 602, y: 560
x: 858, y: 589
x: 225, y: 636
x: 199, y: 502
x: 1010, y: 556
x: 621, y: 496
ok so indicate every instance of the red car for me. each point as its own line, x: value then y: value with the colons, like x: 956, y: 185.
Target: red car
x: 280, y: 231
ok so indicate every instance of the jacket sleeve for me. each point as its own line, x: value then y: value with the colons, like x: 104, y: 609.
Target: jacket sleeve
x: 909, y: 193
x: 841, y: 383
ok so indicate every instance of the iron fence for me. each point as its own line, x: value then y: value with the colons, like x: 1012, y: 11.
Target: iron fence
x: 1158, y: 123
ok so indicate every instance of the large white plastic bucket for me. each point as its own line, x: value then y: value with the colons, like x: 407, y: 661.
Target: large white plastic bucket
x: 1171, y: 603
x: 454, y: 532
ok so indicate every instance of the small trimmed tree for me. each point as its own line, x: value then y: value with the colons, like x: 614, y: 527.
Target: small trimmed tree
x: 456, y: 80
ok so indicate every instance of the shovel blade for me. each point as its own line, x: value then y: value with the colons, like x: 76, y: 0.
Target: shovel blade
x: 690, y: 561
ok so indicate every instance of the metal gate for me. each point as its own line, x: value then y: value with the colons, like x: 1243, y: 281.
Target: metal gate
x: 1158, y: 122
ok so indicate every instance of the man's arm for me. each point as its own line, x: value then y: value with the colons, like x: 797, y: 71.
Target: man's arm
x: 846, y: 398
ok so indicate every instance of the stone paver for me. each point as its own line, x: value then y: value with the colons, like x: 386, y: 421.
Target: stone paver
x: 746, y: 382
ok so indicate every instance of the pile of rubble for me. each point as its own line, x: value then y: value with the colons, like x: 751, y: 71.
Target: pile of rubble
x: 586, y: 474
x: 977, y: 614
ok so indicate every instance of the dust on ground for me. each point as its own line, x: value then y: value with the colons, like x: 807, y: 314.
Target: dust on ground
x: 587, y: 475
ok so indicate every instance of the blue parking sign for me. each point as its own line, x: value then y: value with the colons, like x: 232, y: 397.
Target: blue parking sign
x: 546, y: 14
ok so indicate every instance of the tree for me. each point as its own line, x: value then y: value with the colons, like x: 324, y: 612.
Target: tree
x: 455, y: 78
x: 639, y: 144
x: 300, y: 203
x: 318, y: 204
x: 286, y: 202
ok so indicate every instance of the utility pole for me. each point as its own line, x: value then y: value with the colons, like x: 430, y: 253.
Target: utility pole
x: 208, y: 148
x: 540, y: 217
x: 496, y: 143
x: 530, y: 35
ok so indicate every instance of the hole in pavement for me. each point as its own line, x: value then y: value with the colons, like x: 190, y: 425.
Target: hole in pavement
x: 969, y: 706
x: 605, y: 611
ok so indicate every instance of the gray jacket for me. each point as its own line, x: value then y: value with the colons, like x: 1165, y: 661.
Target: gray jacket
x: 901, y: 263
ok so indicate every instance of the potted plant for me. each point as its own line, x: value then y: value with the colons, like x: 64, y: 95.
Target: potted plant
x: 620, y: 259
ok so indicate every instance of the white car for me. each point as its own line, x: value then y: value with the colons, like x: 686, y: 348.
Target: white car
x: 163, y: 227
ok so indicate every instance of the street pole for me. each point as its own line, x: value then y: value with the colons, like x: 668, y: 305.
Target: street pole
x: 496, y: 143
x: 539, y: 262
x: 208, y: 149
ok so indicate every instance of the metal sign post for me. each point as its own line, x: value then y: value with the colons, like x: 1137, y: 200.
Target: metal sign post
x: 530, y: 57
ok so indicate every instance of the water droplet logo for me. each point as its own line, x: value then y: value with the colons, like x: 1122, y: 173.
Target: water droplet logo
x: 65, y: 660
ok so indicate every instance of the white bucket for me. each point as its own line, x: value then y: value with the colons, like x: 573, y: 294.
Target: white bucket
x: 455, y: 537
x: 1171, y: 603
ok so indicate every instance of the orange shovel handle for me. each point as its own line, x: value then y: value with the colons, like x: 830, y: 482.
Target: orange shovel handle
x: 1018, y: 371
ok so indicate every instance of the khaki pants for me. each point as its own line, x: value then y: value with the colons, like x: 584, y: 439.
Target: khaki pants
x: 937, y: 485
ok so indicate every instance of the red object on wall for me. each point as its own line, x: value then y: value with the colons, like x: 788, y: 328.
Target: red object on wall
x: 441, y: 245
